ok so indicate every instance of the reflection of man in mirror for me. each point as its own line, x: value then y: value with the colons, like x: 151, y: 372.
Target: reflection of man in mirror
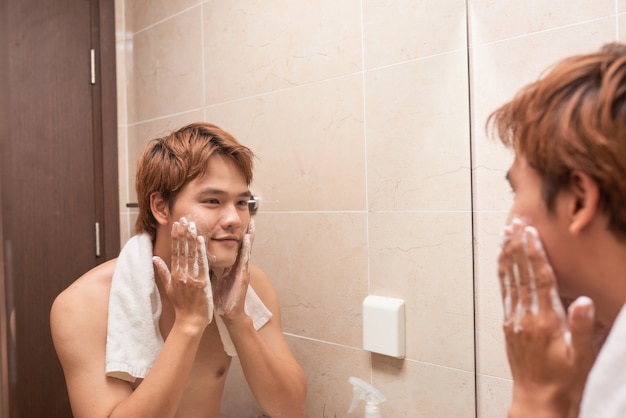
x: 567, y: 227
x: 152, y: 333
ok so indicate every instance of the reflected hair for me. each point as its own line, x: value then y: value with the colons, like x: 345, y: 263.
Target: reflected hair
x: 573, y: 118
x: 170, y: 162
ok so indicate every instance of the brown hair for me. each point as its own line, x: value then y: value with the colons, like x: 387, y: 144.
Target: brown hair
x: 169, y: 163
x: 574, y: 118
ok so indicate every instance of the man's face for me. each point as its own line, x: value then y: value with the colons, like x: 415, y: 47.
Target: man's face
x: 218, y: 203
x: 529, y: 206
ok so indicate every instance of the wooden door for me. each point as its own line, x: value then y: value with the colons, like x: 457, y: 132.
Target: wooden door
x: 58, y: 173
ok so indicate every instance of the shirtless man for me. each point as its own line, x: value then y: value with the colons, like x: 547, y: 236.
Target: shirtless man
x: 567, y: 239
x: 193, y: 190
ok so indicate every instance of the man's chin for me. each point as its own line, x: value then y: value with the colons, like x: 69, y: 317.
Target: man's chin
x: 223, y: 262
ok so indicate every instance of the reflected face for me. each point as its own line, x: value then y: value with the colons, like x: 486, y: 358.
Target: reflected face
x: 529, y: 205
x: 218, y: 203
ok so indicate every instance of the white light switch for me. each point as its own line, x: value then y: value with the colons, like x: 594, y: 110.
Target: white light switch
x: 383, y: 325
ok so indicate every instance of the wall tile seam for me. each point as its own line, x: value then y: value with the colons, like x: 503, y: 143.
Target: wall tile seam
x: 472, y: 45
x: 505, y: 379
x: 165, y: 19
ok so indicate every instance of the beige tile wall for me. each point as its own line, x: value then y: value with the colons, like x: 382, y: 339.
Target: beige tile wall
x: 511, y: 43
x: 359, y: 113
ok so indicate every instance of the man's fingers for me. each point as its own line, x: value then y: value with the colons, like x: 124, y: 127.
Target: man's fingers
x: 547, y: 295
x: 531, y: 267
x: 187, y: 256
x: 162, y: 270
x: 251, y: 231
x: 509, y: 287
x: 581, y: 319
x: 204, y: 257
x: 175, y: 247
x: 505, y: 287
x: 244, y: 259
x: 524, y: 276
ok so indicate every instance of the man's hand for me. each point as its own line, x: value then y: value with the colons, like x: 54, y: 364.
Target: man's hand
x: 185, y: 285
x: 550, y: 352
x: 230, y: 289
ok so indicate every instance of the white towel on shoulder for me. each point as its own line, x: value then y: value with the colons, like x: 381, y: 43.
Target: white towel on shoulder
x: 605, y: 391
x: 133, y: 336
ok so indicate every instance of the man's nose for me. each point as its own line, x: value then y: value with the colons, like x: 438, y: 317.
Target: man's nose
x: 231, y: 217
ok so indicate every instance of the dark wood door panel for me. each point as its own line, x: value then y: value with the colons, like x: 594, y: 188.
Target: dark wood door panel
x: 51, y: 205
x: 51, y: 187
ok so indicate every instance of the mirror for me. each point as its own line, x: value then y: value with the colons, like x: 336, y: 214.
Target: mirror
x: 358, y: 112
x: 511, y: 44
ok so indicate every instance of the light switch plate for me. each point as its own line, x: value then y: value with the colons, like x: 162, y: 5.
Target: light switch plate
x: 384, y: 326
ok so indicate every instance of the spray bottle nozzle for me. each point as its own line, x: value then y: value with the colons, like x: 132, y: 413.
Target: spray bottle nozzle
x: 367, y: 392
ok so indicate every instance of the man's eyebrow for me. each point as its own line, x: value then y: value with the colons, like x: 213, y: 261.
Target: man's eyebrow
x: 508, y: 176
x: 210, y: 190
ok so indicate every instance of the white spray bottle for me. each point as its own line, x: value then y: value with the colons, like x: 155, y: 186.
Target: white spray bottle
x: 372, y: 397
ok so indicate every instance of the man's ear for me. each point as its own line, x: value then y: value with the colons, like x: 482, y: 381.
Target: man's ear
x: 586, y: 202
x: 159, y: 207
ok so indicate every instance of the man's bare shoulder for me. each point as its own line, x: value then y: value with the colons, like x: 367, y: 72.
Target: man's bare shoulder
x: 91, y: 286
x: 78, y: 321
x: 263, y: 286
x: 85, y: 299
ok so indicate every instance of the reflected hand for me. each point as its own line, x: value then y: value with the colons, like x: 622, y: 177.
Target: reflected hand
x: 550, y: 352
x: 186, y: 285
x: 231, y: 287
